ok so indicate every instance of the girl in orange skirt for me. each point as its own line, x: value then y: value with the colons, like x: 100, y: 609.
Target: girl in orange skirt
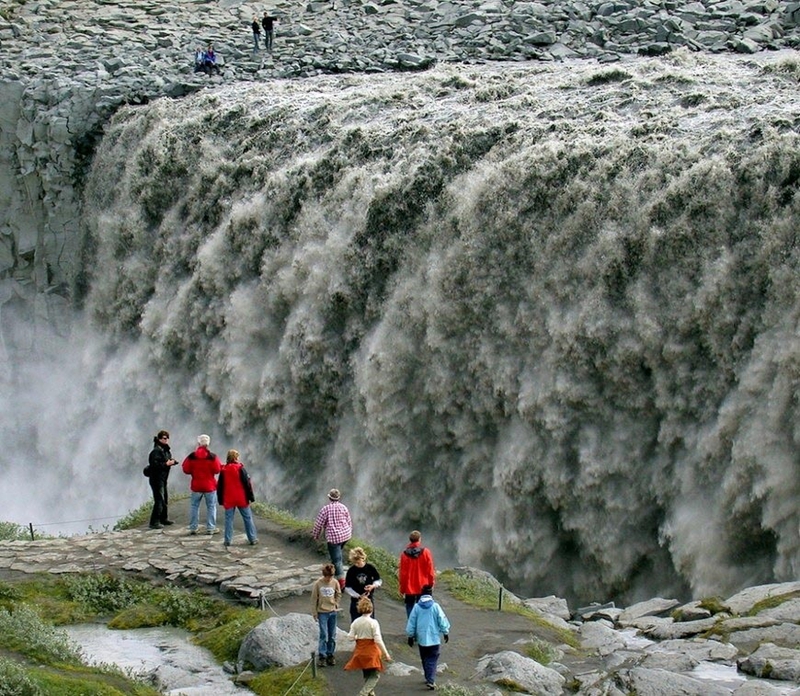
x: 366, y: 632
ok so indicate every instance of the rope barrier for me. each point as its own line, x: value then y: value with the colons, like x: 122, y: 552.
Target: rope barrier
x: 310, y: 662
x: 91, y: 519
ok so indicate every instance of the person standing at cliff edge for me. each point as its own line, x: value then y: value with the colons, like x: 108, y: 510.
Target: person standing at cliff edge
x: 158, y: 465
x: 256, y: 33
x: 416, y: 570
x: 235, y: 492
x: 268, y: 22
x: 203, y: 466
x: 335, y: 519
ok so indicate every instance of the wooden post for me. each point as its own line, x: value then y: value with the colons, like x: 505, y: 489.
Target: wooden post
x: 500, y: 599
x: 30, y: 526
x: 314, y: 664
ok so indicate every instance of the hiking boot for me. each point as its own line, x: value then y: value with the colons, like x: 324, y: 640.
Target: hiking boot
x: 321, y: 662
x: 211, y: 532
x: 157, y: 526
x: 254, y: 542
x: 431, y: 686
x: 331, y: 660
x: 166, y: 523
x: 192, y: 532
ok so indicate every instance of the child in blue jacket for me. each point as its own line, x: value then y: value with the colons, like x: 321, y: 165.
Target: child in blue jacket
x: 426, y: 623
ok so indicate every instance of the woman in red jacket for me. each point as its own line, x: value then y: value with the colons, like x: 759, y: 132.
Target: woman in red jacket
x: 236, y: 493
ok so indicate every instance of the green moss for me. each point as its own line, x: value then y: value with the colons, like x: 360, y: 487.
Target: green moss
x: 224, y: 640
x: 772, y: 602
x: 714, y: 605
x: 139, y: 616
x: 511, y: 685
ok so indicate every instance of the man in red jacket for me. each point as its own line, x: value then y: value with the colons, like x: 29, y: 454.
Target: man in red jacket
x: 203, y: 466
x: 416, y: 570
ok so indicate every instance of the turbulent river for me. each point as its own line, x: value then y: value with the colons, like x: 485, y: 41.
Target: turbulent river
x: 547, y: 314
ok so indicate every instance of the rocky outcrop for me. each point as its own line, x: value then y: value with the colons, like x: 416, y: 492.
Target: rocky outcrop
x: 67, y: 68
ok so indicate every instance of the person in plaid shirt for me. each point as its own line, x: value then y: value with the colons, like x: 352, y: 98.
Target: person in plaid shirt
x: 335, y: 519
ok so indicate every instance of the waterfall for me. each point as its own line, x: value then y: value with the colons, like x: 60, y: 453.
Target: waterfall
x: 545, y: 314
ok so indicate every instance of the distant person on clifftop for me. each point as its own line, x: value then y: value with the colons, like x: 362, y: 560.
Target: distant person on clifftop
x: 366, y: 632
x: 362, y: 580
x: 334, y: 518
x: 203, y: 466
x: 210, y: 61
x: 416, y: 570
x: 425, y: 624
x: 158, y: 465
x: 256, y: 27
x: 325, y: 595
x: 268, y: 22
x: 235, y: 492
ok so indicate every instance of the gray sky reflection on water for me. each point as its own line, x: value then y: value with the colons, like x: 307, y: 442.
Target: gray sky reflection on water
x: 182, y: 668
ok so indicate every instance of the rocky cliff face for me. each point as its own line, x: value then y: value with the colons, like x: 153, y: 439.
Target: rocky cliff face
x: 67, y: 66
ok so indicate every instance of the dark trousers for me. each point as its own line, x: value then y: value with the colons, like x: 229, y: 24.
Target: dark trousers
x: 429, y: 654
x: 160, y: 502
x: 411, y: 600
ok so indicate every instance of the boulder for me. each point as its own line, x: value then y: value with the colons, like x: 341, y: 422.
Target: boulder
x: 772, y: 662
x: 742, y: 602
x: 281, y: 642
x: 659, y: 682
x: 651, y: 607
x: 523, y: 672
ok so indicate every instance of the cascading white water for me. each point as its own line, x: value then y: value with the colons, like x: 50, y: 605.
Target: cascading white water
x: 548, y: 314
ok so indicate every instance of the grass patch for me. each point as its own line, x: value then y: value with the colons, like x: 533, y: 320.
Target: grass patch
x: 135, y: 518
x: 284, y: 518
x: 280, y: 680
x: 485, y: 595
x: 541, y: 651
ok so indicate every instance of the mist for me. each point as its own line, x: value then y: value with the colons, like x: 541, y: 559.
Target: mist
x: 546, y: 316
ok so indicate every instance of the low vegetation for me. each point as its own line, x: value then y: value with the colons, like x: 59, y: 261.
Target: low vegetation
x: 485, y: 595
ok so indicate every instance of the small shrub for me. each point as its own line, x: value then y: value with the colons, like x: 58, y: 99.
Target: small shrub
x: 104, y: 593
x: 13, y: 532
x: 182, y: 606
x: 25, y: 632
x: 14, y: 680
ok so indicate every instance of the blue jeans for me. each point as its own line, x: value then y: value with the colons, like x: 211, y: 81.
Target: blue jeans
x: 247, y: 518
x: 211, y: 510
x: 335, y: 552
x: 327, y: 633
x: 429, y: 654
x: 255, y: 42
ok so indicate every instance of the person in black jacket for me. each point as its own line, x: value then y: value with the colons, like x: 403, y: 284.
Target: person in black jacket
x: 268, y: 22
x: 159, y: 463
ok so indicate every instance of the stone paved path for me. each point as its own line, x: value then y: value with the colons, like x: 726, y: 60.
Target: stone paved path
x: 272, y: 569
